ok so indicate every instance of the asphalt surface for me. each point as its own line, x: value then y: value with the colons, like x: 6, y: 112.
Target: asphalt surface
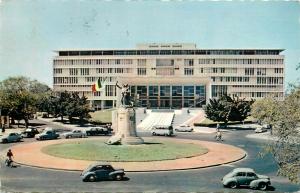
x: 28, y: 179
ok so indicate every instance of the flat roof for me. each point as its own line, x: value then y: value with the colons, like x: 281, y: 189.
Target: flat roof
x: 126, y: 52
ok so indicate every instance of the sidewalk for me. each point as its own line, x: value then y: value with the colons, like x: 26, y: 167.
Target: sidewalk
x: 31, y: 155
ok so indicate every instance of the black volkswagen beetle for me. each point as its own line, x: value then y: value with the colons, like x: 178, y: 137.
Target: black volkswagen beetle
x: 30, y: 132
x: 98, y: 131
x: 101, y: 171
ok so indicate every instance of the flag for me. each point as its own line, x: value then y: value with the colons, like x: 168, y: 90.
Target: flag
x: 98, y: 85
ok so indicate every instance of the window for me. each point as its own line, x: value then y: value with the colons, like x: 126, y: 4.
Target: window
x: 141, y: 62
x: 250, y: 174
x: 84, y: 71
x: 241, y: 174
x: 141, y: 71
x: 261, y: 71
x: 176, y: 91
x: 164, y: 62
x: 188, y: 71
x: 249, y: 71
x: 188, y: 62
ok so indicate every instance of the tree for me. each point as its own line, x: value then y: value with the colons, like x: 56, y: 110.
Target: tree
x: 226, y: 109
x: 59, y: 104
x: 284, y: 116
x: 71, y: 105
x: 19, y: 96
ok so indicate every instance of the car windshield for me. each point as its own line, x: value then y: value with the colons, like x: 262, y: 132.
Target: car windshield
x: 88, y: 168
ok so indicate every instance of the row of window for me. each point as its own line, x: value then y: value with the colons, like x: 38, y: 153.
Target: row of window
x: 168, y: 52
x: 230, y: 79
x: 269, y: 80
x: 74, y: 80
x: 165, y: 62
x: 113, y: 70
x: 65, y: 80
x: 256, y: 86
x: 240, y: 61
x: 93, y: 62
x: 168, y: 91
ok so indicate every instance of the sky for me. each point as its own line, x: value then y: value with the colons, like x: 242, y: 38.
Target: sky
x: 30, y: 30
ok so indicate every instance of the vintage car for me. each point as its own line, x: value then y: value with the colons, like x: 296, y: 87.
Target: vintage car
x: 11, y: 137
x: 30, y: 132
x: 97, y: 131
x: 260, y: 129
x: 162, y: 130
x: 76, y: 133
x: 184, y: 128
x: 246, y: 177
x: 47, y: 134
x: 101, y: 171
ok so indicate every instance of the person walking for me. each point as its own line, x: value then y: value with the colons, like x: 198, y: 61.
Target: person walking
x: 9, y: 160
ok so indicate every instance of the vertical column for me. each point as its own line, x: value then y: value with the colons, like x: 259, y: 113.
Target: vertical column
x: 102, y: 103
x: 8, y: 123
x: 208, y: 92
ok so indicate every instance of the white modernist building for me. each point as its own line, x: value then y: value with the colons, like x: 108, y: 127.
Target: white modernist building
x: 170, y: 75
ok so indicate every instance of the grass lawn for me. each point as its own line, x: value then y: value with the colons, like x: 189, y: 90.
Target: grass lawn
x: 97, y: 150
x: 103, y: 116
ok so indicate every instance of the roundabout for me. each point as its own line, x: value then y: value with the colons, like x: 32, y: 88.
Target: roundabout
x: 151, y: 150
x: 179, y: 154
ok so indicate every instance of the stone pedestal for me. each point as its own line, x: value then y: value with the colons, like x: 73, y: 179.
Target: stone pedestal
x: 126, y: 128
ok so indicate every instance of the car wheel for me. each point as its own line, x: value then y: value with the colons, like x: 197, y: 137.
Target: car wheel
x: 176, y: 130
x: 92, y: 178
x: 5, y: 141
x: 153, y: 133
x: 232, y: 185
x: 67, y: 137
x: 119, y: 177
x: 262, y: 186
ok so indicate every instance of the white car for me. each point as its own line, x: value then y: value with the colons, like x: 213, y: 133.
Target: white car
x: 184, y: 128
x: 76, y: 133
x: 162, y: 130
x: 260, y: 129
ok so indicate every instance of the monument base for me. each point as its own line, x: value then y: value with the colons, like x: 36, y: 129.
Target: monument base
x: 132, y: 141
x: 125, y: 132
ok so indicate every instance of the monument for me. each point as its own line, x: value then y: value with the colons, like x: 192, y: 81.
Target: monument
x: 125, y: 133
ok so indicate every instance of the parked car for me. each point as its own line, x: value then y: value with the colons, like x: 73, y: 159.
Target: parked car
x: 260, y: 129
x: 11, y: 137
x: 162, y: 130
x: 184, y: 128
x: 74, y: 134
x: 101, y: 171
x: 98, y: 131
x: 30, y: 132
x: 47, y: 134
x: 246, y: 177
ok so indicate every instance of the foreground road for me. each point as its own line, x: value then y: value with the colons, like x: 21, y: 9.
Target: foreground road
x: 26, y: 179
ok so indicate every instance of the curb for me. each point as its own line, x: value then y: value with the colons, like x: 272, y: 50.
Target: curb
x: 141, y: 171
x: 243, y: 154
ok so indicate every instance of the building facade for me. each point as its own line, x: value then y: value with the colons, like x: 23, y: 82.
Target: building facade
x: 170, y: 75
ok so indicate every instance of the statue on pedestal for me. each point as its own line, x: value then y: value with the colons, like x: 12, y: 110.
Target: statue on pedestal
x: 126, y: 98
x: 125, y: 133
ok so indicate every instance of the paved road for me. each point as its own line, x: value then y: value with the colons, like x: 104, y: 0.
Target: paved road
x: 26, y: 179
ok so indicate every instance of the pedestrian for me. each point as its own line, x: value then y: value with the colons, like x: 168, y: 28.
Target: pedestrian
x: 9, y: 155
x: 9, y: 160
x: 219, y: 136
x: 3, y: 129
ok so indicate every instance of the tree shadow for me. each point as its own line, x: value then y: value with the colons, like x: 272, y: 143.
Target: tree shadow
x: 152, y: 143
